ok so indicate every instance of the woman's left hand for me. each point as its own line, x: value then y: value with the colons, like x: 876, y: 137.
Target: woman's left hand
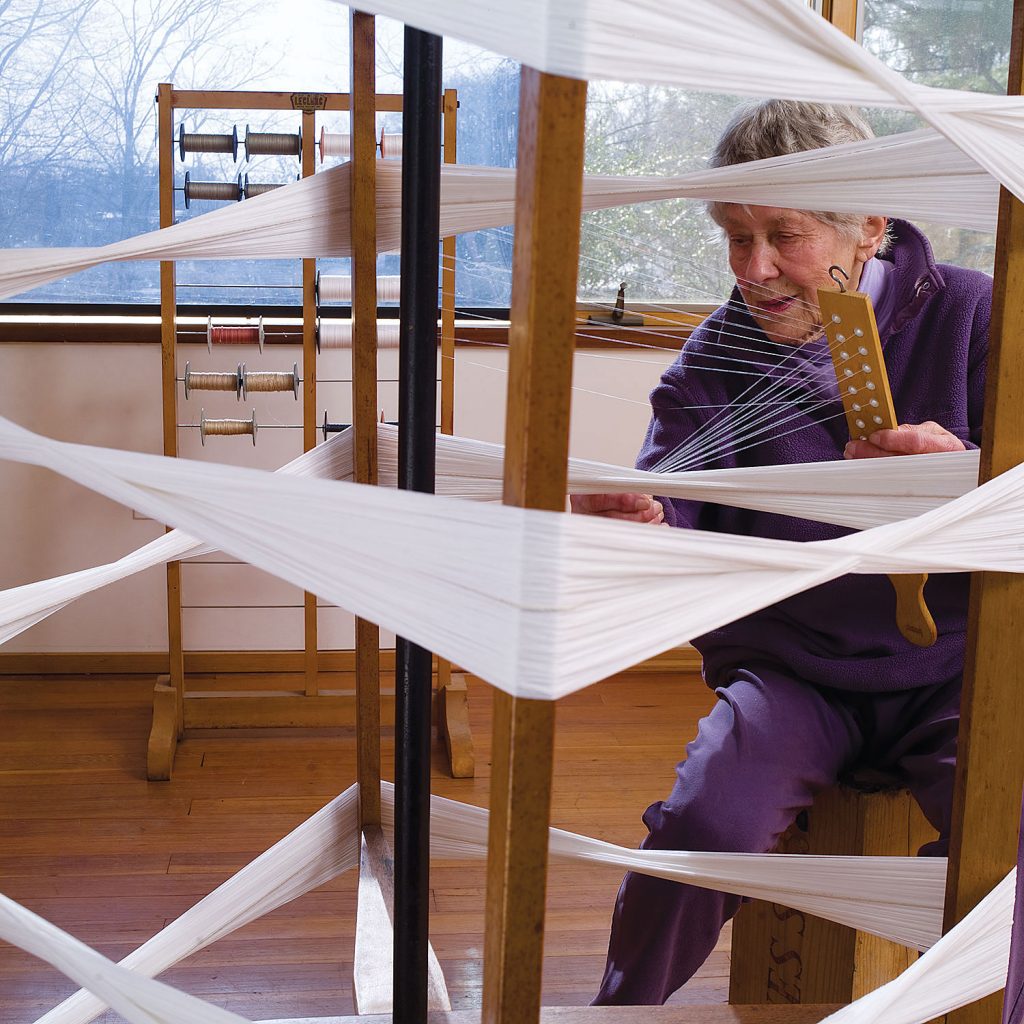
x: 906, y: 439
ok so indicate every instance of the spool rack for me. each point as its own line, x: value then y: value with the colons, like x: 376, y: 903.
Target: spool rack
x: 176, y: 705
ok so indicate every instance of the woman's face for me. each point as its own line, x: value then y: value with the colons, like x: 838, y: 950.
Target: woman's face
x: 781, y: 258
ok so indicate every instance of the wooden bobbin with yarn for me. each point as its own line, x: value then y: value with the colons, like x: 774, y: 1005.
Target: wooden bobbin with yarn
x: 214, y: 381
x: 335, y: 144
x: 199, y: 142
x: 340, y: 144
x: 223, y: 334
x: 216, y: 191
x: 226, y: 428
x: 263, y: 381
x: 338, y: 288
x: 338, y: 334
x: 390, y: 145
x: 271, y: 144
x: 251, y: 189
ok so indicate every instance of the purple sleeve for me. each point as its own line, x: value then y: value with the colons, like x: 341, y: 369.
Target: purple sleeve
x: 676, y: 405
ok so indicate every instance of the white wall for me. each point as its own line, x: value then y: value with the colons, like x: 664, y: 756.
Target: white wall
x: 109, y: 394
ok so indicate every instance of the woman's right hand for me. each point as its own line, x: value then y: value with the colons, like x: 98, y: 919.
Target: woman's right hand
x: 634, y: 508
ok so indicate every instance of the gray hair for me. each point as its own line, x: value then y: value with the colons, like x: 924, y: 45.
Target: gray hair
x: 778, y: 127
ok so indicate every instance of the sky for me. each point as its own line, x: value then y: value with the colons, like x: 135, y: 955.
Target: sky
x: 309, y: 40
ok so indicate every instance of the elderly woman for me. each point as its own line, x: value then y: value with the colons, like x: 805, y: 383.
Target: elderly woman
x: 821, y: 682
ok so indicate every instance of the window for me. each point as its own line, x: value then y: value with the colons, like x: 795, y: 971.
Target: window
x: 78, y: 149
x: 78, y: 153
x: 669, y: 250
x: 957, y: 44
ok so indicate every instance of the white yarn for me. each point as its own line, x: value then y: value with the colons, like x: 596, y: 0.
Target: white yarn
x: 335, y: 144
x: 537, y: 603
x: 756, y: 47
x: 391, y: 145
x: 338, y: 288
x: 138, y: 999
x: 917, y: 175
x: 889, y: 895
x: 968, y: 963
x: 321, y: 848
x: 897, y: 897
x: 24, y: 606
x: 286, y: 222
x: 338, y: 334
x: 859, y: 494
x: 912, y: 175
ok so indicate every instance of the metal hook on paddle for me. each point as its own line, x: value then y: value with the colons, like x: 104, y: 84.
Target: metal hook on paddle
x: 832, y: 273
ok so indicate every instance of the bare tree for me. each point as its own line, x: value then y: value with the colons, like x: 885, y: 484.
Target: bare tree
x: 132, y: 46
x: 37, y: 60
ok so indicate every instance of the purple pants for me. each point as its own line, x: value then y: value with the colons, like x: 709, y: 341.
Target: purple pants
x: 767, y: 747
x: 1013, y: 1000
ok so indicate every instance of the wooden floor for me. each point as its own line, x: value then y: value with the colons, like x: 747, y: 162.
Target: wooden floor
x: 89, y: 844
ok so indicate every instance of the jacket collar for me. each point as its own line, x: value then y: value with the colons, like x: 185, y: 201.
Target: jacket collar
x: 917, y: 277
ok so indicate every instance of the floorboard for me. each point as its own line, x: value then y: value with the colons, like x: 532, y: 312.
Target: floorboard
x: 88, y: 843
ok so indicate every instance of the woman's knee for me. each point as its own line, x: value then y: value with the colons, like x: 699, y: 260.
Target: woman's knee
x: 710, y: 822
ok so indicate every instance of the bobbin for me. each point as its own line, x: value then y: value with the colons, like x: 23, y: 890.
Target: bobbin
x: 205, y: 381
x: 262, y: 381
x: 338, y: 288
x: 338, y: 334
x: 334, y: 144
x: 333, y: 428
x: 251, y: 189
x: 390, y: 145
x: 226, y: 428
x: 199, y: 142
x: 272, y: 144
x: 222, y: 191
x: 213, y: 335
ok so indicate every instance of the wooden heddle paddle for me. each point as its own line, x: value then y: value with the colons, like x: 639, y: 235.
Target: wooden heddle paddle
x: 856, y: 351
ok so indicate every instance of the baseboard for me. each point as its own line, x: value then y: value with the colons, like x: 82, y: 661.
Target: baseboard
x: 155, y: 662
x: 679, y: 659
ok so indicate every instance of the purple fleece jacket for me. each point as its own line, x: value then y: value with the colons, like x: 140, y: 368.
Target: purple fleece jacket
x: 841, y: 634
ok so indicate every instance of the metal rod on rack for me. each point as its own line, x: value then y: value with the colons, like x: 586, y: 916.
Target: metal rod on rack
x: 417, y: 416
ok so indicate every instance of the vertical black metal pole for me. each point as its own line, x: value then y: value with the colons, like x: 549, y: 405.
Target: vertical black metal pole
x: 417, y: 418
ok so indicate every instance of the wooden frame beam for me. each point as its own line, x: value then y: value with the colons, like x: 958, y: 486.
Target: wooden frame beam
x: 844, y: 14
x: 309, y: 612
x: 549, y: 190
x: 217, y: 99
x: 364, y: 383
x: 164, y: 735
x: 990, y: 759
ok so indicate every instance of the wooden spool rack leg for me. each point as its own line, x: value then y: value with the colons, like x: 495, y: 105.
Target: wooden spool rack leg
x: 452, y: 696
